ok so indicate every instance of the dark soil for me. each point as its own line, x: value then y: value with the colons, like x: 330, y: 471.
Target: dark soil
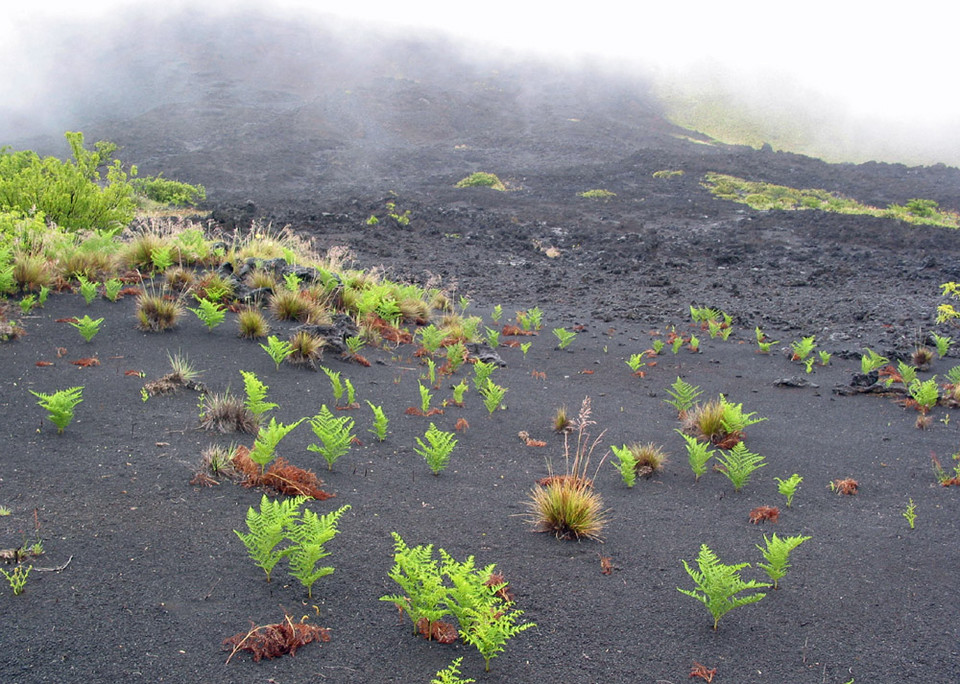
x: 156, y: 578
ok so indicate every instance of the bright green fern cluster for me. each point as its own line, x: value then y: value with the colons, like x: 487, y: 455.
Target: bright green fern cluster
x: 279, y: 521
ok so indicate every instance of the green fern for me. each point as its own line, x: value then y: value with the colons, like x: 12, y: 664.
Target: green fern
x: 684, y: 395
x: 268, y: 527
x: 717, y: 585
x: 256, y: 393
x: 267, y: 440
x: 697, y: 454
x: 626, y: 464
x: 418, y: 574
x: 309, y: 535
x: 334, y: 434
x: 492, y: 394
x: 438, y: 448
x: 451, y: 674
x: 738, y: 464
x: 335, y: 383
x: 776, y: 553
x: 60, y: 405
x: 481, y: 372
x: 380, y: 421
x: 489, y: 630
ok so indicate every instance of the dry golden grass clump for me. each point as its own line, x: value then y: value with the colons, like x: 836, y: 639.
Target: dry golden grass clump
x: 156, y: 312
x: 567, y: 505
x: 649, y: 458
x: 252, y: 324
x: 307, y: 349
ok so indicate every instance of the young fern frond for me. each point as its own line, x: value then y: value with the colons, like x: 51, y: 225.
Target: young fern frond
x: 256, y: 394
x: 438, y: 448
x: 267, y: 528
x: 492, y: 394
x: 451, y: 674
x: 626, y: 464
x: 418, y: 574
x: 309, y: 535
x: 380, y: 422
x: 738, y: 464
x: 717, y: 584
x: 60, y: 405
x: 481, y: 373
x: 267, y: 440
x: 684, y: 395
x: 698, y: 453
x: 335, y: 435
x: 776, y: 553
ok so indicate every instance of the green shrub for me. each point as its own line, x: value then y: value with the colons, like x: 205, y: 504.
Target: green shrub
x: 482, y: 180
x: 70, y: 193
x: 165, y: 191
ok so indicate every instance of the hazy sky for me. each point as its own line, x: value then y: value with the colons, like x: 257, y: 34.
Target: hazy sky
x: 893, y: 61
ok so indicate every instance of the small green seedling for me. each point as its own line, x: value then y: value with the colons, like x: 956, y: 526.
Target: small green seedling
x: 456, y: 353
x: 87, y: 289
x: 694, y: 344
x: 739, y: 464
x: 763, y: 343
x: 481, y: 373
x: 278, y: 349
x: 111, y: 288
x: 776, y: 553
x: 380, y: 422
x: 626, y: 464
x: 824, y: 357
x: 525, y: 347
x: 871, y: 361
x: 676, y: 344
x: 943, y: 344
x: 635, y: 362
x: 210, y: 313
x: 336, y: 384
x: 60, y: 405
x: 267, y: 440
x: 657, y: 346
x: 492, y: 394
x: 925, y: 393
x: 564, y: 337
x: 497, y: 313
x: 425, y: 397
x: 44, y: 293
x: 28, y: 303
x: 431, y: 337
x: 256, y: 393
x: 788, y: 487
x: 354, y: 344
x: 161, y: 258
x: 437, y: 449
x: 698, y: 454
x: 87, y: 327
x: 451, y: 674
x: 803, y: 347
x: 458, y: 391
x: 334, y: 434
x: 718, y: 584
x: 493, y: 337
x: 18, y: 578
x: 684, y: 395
x: 910, y: 513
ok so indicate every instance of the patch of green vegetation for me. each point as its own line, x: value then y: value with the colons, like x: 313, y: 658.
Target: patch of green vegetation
x: 763, y: 196
x: 667, y: 173
x: 597, y: 194
x: 481, y: 179
x: 165, y: 191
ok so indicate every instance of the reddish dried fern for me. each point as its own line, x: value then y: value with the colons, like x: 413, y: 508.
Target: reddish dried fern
x: 763, y: 513
x: 273, y: 641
